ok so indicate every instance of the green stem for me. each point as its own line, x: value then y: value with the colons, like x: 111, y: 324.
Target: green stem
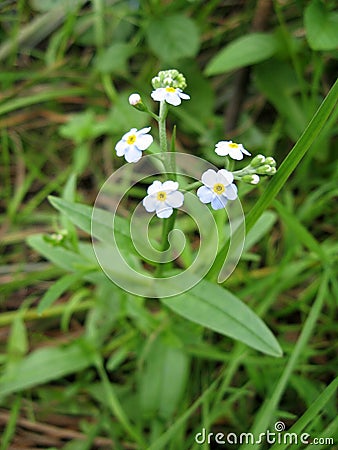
x: 162, y: 126
x: 193, y: 186
x: 168, y: 225
x: 33, y: 314
x: 109, y: 87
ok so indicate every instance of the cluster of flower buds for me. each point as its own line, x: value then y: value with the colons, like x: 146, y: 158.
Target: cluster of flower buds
x: 260, y: 165
x: 57, y: 239
x: 169, y: 78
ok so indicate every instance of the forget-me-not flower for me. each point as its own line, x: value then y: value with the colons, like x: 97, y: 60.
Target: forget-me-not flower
x: 133, y: 143
x: 171, y: 95
x: 235, y: 151
x: 162, y: 198
x: 218, y: 188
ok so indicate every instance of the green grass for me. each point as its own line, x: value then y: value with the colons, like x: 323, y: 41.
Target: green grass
x: 84, y: 364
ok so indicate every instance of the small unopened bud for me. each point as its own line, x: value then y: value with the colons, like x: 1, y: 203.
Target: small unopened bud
x: 135, y: 100
x: 257, y: 161
x: 56, y: 238
x: 272, y: 171
x: 251, y: 179
x: 271, y: 161
x: 264, y: 169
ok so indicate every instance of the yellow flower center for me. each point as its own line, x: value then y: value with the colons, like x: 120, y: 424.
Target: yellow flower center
x: 131, y: 139
x: 219, y: 188
x: 161, y: 196
x: 233, y: 145
x: 170, y: 89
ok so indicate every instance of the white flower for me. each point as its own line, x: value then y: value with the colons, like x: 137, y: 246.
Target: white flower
x: 218, y: 188
x: 170, y: 95
x: 162, y: 198
x: 134, y: 99
x: 133, y: 143
x: 235, y: 151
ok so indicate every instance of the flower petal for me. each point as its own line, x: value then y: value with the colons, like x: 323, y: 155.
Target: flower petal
x: 245, y: 151
x: 170, y: 185
x: 205, y: 194
x: 184, y: 96
x: 131, y: 131
x: 155, y: 187
x: 221, y: 151
x: 218, y: 202
x: 144, y: 141
x: 159, y: 94
x: 132, y: 154
x: 175, y: 199
x: 225, y: 177
x: 143, y: 131
x: 149, y: 202
x: 121, y: 148
x: 164, y: 213
x: 209, y: 178
x: 231, y: 192
x: 173, y: 98
x: 235, y: 153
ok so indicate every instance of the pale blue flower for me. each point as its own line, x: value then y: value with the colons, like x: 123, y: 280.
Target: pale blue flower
x: 162, y: 198
x: 133, y: 144
x: 218, y: 188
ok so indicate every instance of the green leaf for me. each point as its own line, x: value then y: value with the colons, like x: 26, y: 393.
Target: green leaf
x: 216, y: 308
x: 114, y: 59
x: 242, y: 52
x: 173, y: 37
x: 163, y: 380
x: 57, y: 289
x: 102, y: 228
x: 276, y: 79
x: 64, y: 258
x: 46, y: 364
x: 321, y: 26
x: 81, y: 127
x: 260, y: 229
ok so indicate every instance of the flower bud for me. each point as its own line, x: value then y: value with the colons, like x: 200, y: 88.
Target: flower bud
x: 169, y: 78
x: 264, y: 169
x: 271, y: 161
x: 257, y: 161
x: 56, y: 239
x: 135, y: 100
x: 251, y: 179
x: 272, y: 171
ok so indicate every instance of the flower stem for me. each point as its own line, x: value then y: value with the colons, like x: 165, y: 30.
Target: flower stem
x: 168, y: 225
x: 162, y: 126
x: 192, y: 186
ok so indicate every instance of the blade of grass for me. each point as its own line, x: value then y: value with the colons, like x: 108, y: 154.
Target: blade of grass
x: 18, y: 103
x: 269, y: 407
x: 288, y: 166
x: 9, y: 431
x: 115, y: 405
x: 311, y: 413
